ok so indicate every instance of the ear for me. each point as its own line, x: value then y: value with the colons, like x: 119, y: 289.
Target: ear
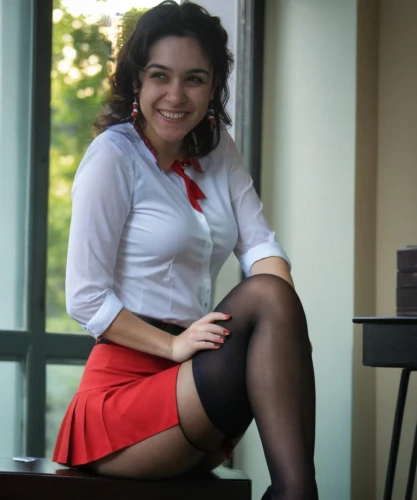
x: 136, y: 86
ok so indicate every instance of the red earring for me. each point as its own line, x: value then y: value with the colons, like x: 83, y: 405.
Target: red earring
x: 211, y: 119
x: 135, y: 110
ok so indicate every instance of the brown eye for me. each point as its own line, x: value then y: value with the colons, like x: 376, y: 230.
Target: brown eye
x: 157, y: 76
x: 195, y: 79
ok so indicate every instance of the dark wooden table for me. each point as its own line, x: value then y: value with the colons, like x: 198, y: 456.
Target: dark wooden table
x: 391, y: 342
x: 46, y: 480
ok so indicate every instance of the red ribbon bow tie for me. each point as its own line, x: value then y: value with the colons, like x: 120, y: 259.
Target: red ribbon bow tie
x: 193, y: 191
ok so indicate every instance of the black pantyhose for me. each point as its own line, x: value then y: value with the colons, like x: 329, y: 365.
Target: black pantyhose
x: 264, y: 370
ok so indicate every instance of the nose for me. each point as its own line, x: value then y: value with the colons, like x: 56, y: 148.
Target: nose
x: 175, y: 92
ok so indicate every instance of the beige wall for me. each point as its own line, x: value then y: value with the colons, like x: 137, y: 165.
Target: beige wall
x: 396, y: 206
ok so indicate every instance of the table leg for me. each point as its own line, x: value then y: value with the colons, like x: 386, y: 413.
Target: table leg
x: 396, y: 433
x: 412, y: 471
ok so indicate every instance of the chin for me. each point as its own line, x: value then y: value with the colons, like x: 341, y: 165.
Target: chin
x: 170, y: 138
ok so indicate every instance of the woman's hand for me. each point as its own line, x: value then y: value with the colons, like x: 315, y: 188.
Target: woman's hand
x: 202, y: 334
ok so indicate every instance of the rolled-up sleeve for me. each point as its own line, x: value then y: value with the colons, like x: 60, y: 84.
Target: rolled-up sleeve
x: 256, y: 239
x: 101, y: 197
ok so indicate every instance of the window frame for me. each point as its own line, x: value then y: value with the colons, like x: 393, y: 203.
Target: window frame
x: 249, y: 101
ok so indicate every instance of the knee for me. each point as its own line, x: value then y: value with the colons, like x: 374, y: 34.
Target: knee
x: 273, y: 295
x: 269, y: 288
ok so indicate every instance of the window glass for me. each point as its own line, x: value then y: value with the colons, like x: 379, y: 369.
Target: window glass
x: 62, y: 382
x: 11, y: 421
x: 15, y: 119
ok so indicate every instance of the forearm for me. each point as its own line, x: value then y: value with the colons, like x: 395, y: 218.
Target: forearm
x: 273, y: 265
x: 130, y: 331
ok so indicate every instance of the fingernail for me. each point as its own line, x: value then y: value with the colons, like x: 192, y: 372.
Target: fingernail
x: 227, y: 316
x: 221, y: 339
x: 226, y: 332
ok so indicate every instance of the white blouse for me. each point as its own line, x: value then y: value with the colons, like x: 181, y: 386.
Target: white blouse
x: 137, y: 242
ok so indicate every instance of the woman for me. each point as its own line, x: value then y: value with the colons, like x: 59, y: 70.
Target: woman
x: 160, y: 200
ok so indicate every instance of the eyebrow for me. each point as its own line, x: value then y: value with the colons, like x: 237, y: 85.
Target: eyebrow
x: 167, y: 68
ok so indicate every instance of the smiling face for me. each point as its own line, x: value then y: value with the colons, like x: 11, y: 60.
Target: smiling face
x: 176, y: 90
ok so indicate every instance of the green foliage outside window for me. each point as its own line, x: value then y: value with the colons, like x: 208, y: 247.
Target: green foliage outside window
x: 129, y: 20
x: 82, y: 57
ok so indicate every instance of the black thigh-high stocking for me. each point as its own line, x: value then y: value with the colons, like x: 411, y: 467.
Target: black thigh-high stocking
x: 264, y: 370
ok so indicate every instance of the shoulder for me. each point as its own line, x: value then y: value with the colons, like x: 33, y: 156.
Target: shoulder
x: 110, y: 156
x: 223, y: 154
x: 120, y: 138
x: 115, y: 148
x: 225, y: 143
x: 229, y: 153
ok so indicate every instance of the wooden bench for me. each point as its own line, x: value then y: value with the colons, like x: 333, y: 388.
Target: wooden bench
x: 45, y: 480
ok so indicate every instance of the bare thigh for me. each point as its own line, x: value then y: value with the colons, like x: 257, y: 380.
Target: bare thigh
x: 195, y: 443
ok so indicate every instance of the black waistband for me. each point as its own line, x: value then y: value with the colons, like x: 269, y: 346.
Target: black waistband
x: 168, y: 327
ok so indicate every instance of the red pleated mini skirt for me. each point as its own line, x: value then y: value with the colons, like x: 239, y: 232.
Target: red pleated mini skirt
x: 124, y: 396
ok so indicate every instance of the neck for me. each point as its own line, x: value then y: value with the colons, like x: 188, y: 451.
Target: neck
x: 166, y: 153
x: 166, y: 158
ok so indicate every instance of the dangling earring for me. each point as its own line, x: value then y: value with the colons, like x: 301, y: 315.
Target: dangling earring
x: 135, y: 110
x: 210, y: 116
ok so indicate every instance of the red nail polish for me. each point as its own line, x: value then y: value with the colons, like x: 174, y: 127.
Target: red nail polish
x: 221, y: 339
x: 226, y: 332
x: 227, y: 316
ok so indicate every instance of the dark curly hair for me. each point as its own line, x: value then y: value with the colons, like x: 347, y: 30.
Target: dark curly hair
x: 171, y: 19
